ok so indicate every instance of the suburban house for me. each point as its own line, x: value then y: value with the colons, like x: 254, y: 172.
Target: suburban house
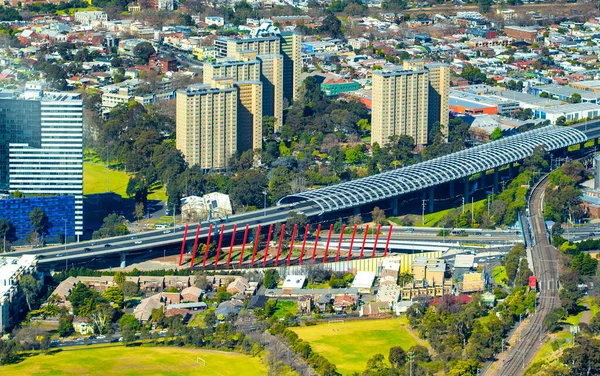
x: 343, y: 302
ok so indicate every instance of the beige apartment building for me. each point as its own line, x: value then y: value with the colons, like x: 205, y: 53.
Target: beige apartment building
x: 245, y: 76
x: 249, y: 115
x: 271, y: 75
x: 291, y: 49
x: 206, y: 122
x: 400, y: 105
x: 439, y: 90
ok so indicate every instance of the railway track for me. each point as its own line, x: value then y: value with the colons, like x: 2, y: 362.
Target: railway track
x: 545, y: 260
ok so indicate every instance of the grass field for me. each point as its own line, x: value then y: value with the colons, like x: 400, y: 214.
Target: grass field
x: 499, y: 274
x: 94, y: 181
x: 284, y: 307
x: 434, y: 219
x: 350, y: 344
x: 137, y: 361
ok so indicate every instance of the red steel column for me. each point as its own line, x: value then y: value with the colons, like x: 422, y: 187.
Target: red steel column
x: 256, y: 237
x: 289, y: 258
x: 279, y: 245
x: 303, y: 244
x: 387, y: 244
x: 316, y: 242
x: 327, y: 246
x: 231, y: 246
x: 362, y: 249
x: 267, y: 248
x: 207, y: 244
x: 243, y: 245
x: 195, y: 246
x: 376, y: 239
x: 351, y: 244
x: 183, y: 245
x: 219, y: 246
x: 337, y: 254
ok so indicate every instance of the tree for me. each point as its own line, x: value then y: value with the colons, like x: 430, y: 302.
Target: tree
x: 119, y: 278
x: 101, y: 318
x: 112, y: 225
x: 83, y: 300
x: 496, y: 134
x: 465, y: 368
x: 397, y: 357
x: 270, y: 279
x: 143, y: 51
x: 7, y: 230
x: 560, y: 121
x: 39, y: 221
x: 378, y: 215
x: 222, y: 294
x: 210, y: 319
x: 114, y: 295
x: 128, y: 321
x: 537, y: 160
x: 139, y: 210
x: 584, y: 358
x: 585, y: 264
x: 31, y: 287
x: 201, y: 280
x: 575, y: 98
x: 130, y: 289
x: 295, y: 219
x: 65, y: 325
x: 332, y: 26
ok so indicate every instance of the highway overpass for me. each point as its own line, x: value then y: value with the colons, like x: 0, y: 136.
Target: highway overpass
x: 443, y: 172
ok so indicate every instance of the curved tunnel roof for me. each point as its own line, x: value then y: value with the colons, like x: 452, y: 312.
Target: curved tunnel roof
x: 439, y: 170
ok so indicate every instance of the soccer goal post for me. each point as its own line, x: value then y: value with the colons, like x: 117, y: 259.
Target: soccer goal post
x: 201, y: 361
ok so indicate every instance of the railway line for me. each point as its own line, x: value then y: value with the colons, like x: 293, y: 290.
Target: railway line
x: 545, y: 264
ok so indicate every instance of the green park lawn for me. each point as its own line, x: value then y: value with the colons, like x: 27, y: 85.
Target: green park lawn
x: 284, y: 307
x: 350, y: 344
x: 94, y: 181
x: 499, y: 274
x: 118, y: 360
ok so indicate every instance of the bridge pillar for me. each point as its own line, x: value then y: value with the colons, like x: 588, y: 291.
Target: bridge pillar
x: 394, y: 205
x: 451, y: 189
x: 467, y: 190
x: 431, y: 198
x: 356, y: 210
x: 581, y: 145
x: 483, y: 179
x: 595, y: 142
x: 510, y: 169
x: 123, y: 259
x: 496, y: 179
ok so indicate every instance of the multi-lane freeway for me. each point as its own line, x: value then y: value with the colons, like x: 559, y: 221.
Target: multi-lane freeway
x: 545, y: 263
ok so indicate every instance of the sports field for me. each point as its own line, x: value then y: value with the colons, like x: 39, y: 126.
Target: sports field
x: 350, y: 344
x: 137, y: 361
x: 94, y: 181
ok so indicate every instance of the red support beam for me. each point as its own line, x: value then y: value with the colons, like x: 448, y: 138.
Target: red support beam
x: 327, y: 246
x: 306, y: 230
x: 268, y: 243
x: 289, y: 258
x: 351, y: 244
x: 337, y: 253
x: 376, y: 239
x: 183, y: 245
x: 231, y: 246
x: 387, y: 244
x: 316, y: 242
x: 195, y: 246
x: 256, y: 238
x: 207, y: 245
x: 243, y: 245
x: 219, y: 246
x: 279, y: 245
x: 362, y: 249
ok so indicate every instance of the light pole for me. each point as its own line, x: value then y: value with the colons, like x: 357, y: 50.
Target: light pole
x: 65, y: 221
x: 265, y: 204
x: 4, y: 236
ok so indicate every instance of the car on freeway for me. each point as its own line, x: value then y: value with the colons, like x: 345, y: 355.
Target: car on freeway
x: 478, y: 233
x: 591, y: 235
x: 133, y: 237
x: 106, y: 245
x: 164, y: 331
x: 92, y: 337
x: 410, y: 229
x: 87, y: 249
x: 80, y: 339
x: 60, y: 255
x: 488, y: 235
x: 120, y: 339
x: 138, y: 242
x: 101, y: 336
x: 167, y: 232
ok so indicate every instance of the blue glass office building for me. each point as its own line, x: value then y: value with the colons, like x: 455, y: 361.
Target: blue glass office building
x: 56, y: 208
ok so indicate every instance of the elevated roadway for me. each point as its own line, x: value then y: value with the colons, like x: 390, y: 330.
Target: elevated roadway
x: 349, y: 195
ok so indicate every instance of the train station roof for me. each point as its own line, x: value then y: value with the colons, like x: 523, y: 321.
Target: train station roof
x: 437, y: 171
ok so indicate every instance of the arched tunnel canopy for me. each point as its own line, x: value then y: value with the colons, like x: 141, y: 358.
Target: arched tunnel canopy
x: 439, y: 170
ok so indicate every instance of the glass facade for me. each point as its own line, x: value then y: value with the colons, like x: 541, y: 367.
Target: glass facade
x: 57, y: 208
